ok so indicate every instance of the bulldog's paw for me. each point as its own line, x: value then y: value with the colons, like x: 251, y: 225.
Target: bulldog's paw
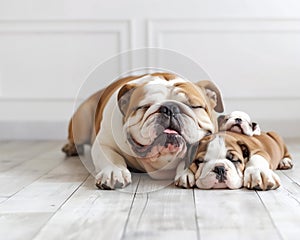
x: 71, y: 150
x: 260, y: 179
x: 185, y: 179
x: 285, y: 163
x: 113, y: 177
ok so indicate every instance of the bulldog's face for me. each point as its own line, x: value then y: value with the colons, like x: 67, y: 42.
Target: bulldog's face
x: 220, y: 162
x: 239, y: 122
x: 164, y: 114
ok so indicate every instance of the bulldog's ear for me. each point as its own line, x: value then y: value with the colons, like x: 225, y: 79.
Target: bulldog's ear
x: 245, y: 150
x: 124, y: 97
x: 213, y: 93
x: 221, y: 121
x: 255, y: 128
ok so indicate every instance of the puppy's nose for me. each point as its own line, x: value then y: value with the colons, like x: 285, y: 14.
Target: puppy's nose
x: 169, y: 109
x: 238, y: 120
x: 220, y: 170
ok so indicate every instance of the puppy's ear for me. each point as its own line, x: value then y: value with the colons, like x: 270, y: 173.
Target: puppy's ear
x: 213, y: 93
x: 256, y: 128
x: 124, y: 97
x: 221, y: 121
x: 245, y: 150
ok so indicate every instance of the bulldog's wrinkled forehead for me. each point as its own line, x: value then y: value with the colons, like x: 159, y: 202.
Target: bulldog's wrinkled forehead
x: 216, y: 146
x: 216, y: 149
x: 150, y: 80
x: 156, y: 88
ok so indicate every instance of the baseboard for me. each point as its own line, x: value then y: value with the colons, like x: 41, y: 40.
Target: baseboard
x: 58, y: 130
x: 33, y: 130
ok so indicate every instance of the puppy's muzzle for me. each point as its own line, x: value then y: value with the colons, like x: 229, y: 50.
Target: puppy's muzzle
x: 238, y: 120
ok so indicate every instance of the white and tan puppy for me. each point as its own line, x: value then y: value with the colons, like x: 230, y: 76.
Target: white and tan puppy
x: 147, y: 123
x: 239, y: 122
x: 232, y: 160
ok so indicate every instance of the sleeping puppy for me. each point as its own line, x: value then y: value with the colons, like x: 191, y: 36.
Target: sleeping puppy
x: 232, y: 160
x: 147, y: 123
x: 239, y: 122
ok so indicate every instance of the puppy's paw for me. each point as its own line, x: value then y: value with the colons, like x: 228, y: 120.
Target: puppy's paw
x: 113, y: 177
x: 285, y: 163
x: 260, y: 179
x: 185, y: 179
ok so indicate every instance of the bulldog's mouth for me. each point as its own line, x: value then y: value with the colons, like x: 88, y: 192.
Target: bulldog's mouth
x: 169, y: 139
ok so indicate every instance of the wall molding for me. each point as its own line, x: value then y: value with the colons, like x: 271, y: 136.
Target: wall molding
x: 285, y: 29
x: 120, y: 28
x: 157, y: 27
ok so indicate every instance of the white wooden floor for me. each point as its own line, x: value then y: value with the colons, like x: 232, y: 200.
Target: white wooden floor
x: 45, y: 196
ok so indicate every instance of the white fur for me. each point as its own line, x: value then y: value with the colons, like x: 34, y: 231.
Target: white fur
x: 258, y: 174
x: 285, y: 163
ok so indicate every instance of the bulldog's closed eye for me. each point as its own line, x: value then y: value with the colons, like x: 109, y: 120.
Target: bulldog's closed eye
x: 236, y: 161
x: 144, y: 107
x: 199, y: 161
x: 195, y: 107
x: 230, y: 157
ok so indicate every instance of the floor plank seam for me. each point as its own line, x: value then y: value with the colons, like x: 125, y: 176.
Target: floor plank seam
x: 143, y: 210
x: 26, y: 159
x: 59, y: 208
x: 290, y: 194
x: 35, y: 180
x: 271, y: 218
x: 130, y: 210
x: 41, y: 152
x: 284, y: 173
x: 196, y: 216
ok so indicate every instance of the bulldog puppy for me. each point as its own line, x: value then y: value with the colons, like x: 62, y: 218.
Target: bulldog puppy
x: 147, y: 123
x: 239, y: 122
x: 232, y: 160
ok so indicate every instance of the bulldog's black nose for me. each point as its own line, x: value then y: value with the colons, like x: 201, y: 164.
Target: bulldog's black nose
x: 220, y: 173
x: 238, y: 120
x: 169, y: 109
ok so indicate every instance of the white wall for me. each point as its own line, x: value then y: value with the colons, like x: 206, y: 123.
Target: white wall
x: 251, y: 49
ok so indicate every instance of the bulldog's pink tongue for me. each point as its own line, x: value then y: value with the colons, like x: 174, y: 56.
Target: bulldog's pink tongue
x: 170, y: 131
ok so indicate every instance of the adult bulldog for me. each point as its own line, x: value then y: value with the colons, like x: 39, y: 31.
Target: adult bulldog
x: 147, y: 123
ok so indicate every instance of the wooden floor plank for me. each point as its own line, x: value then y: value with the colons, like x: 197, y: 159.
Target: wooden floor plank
x: 50, y: 191
x: 21, y: 225
x: 16, y: 152
x: 2, y: 199
x: 30, y: 209
x: 283, y: 206
x: 21, y: 175
x: 43, y: 195
x: 90, y: 214
x: 236, y: 214
x: 294, y: 172
x: 160, y: 214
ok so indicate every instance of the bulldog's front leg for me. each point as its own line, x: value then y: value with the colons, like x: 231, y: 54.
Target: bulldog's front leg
x: 259, y: 176
x: 184, y: 177
x: 111, y: 168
